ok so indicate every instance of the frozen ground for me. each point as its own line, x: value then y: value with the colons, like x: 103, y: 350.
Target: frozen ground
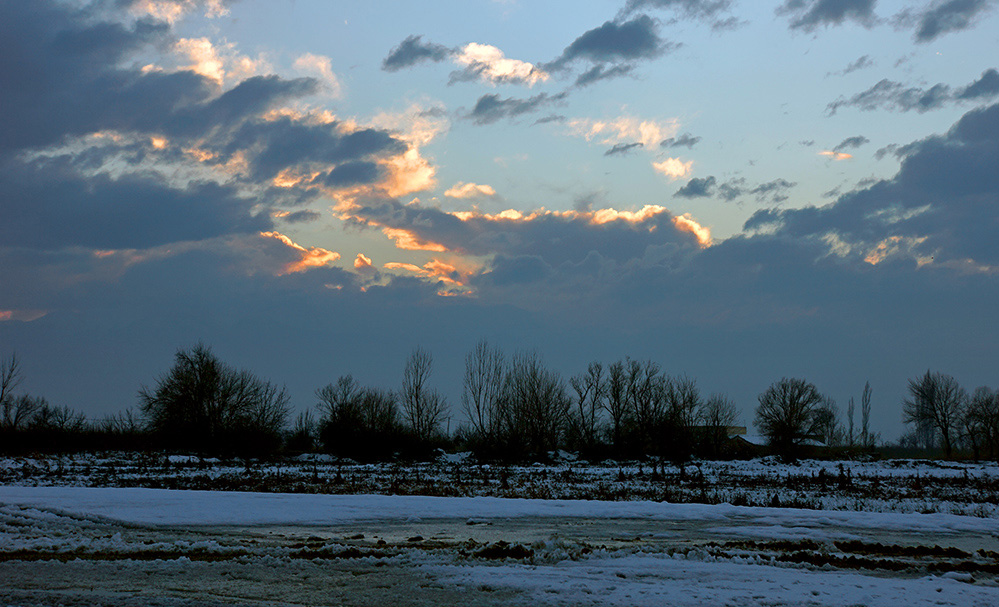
x: 135, y: 546
x: 903, y: 486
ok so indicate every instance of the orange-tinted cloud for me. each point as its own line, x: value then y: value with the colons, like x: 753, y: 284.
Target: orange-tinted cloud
x: 362, y: 262
x: 674, y: 168
x: 836, y: 155
x: 470, y: 190
x: 312, y: 257
x: 435, y: 268
x: 21, y: 315
x: 410, y: 241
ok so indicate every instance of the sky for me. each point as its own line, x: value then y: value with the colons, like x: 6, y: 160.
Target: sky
x: 740, y: 191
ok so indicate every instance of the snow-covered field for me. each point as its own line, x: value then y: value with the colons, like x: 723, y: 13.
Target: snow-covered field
x: 91, y: 530
x: 875, y: 486
x: 59, y: 543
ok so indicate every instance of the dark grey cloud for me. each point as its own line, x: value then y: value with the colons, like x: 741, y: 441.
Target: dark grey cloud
x: 851, y: 143
x: 809, y: 15
x: 615, y: 42
x: 944, y: 17
x: 692, y: 9
x: 622, y: 148
x: 895, y: 96
x: 509, y: 271
x: 774, y: 191
x: 698, y: 187
x: 48, y: 204
x: 551, y: 118
x: 860, y: 63
x: 685, y: 140
x: 273, y: 145
x: 940, y: 204
x: 556, y: 238
x: 305, y: 216
x: 708, y: 11
x: 412, y: 51
x: 70, y: 71
x: 985, y: 87
x: 491, y: 108
x: 602, y: 72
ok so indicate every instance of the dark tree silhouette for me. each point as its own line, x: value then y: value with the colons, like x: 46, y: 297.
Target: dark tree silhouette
x: 533, y: 407
x: 935, y: 405
x: 423, y: 408
x: 204, y: 404
x: 718, y: 414
x: 786, y: 414
x: 483, y: 383
x: 358, y: 422
x: 591, y: 391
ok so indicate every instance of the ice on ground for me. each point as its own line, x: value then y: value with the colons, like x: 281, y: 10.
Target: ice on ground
x: 657, y: 579
x: 171, y: 507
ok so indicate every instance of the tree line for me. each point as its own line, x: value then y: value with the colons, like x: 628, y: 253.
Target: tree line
x: 515, y: 408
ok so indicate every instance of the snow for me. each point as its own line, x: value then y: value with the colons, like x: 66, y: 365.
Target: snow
x: 172, y: 507
x: 649, y: 572
x: 658, y: 579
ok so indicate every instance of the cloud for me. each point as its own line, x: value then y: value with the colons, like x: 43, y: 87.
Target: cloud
x: 412, y: 51
x: 698, y: 188
x: 623, y: 129
x: 809, y: 15
x: 602, y: 72
x: 895, y: 96
x: 774, y: 191
x: 685, y: 140
x: 704, y: 10
x: 851, y: 143
x: 311, y: 257
x: 674, y: 168
x: 623, y: 148
x: 492, y: 108
x: 836, y: 155
x: 464, y: 190
x: 615, y: 42
x: 49, y: 205
x: 940, y: 204
x: 557, y: 237
x: 860, y: 63
x: 322, y: 67
x: 488, y: 63
x: 984, y: 88
x: 305, y: 216
x: 362, y: 262
x: 947, y: 16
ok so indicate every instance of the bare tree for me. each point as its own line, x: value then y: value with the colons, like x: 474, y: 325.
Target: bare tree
x: 980, y: 423
x: 533, y: 407
x: 718, y: 414
x: 203, y: 403
x: 934, y: 405
x: 683, y: 408
x: 18, y: 411
x: 423, y: 408
x: 483, y: 383
x: 59, y: 419
x: 616, y: 402
x: 827, y: 426
x: 591, y: 391
x: 357, y: 422
x: 10, y: 377
x: 786, y: 414
x: 866, y: 438
x: 648, y: 407
x: 849, y: 419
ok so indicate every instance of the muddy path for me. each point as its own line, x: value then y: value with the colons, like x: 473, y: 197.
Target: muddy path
x: 58, y: 559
